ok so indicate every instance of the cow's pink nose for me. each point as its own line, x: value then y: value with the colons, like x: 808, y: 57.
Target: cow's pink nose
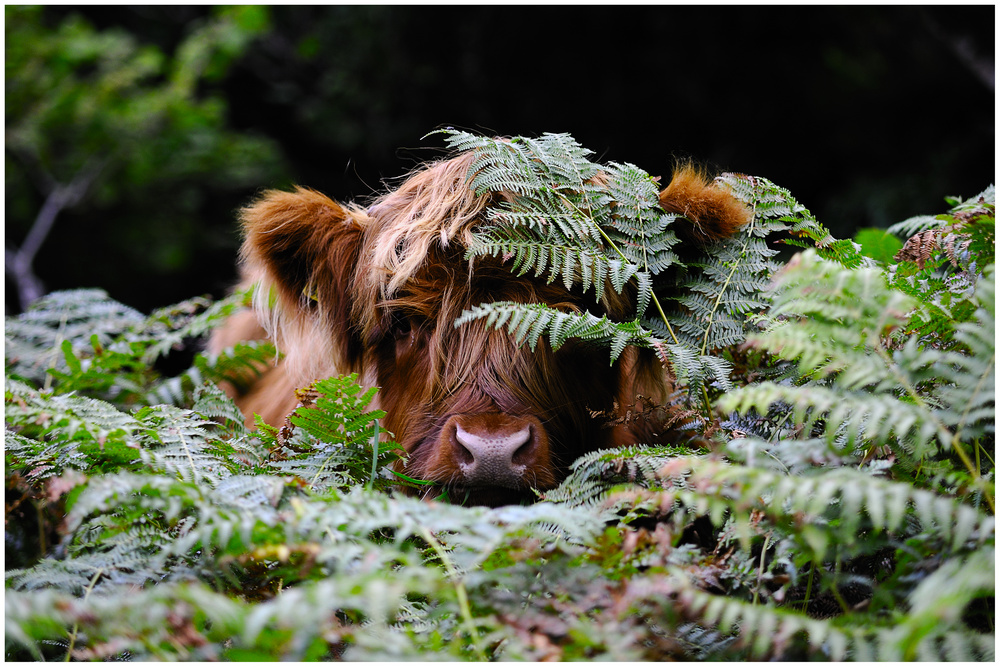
x: 491, y: 453
x: 498, y: 450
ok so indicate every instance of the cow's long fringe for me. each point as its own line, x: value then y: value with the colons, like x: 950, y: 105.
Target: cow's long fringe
x: 432, y: 209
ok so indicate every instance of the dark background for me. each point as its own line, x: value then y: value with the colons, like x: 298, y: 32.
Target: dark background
x: 868, y: 115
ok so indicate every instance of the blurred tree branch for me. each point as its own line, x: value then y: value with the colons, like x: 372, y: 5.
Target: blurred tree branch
x: 18, y: 262
x: 964, y: 49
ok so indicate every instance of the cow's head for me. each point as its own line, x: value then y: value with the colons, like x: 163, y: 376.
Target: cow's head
x: 377, y: 291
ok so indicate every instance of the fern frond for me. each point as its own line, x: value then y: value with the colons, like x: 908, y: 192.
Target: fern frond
x: 727, y: 282
x: 915, y: 225
x: 837, y: 323
x: 239, y: 366
x: 69, y: 575
x: 770, y: 633
x: 595, y: 474
x: 169, y: 327
x: 860, y: 416
x: 843, y: 494
x: 793, y: 457
x: 637, y: 226
x: 66, y: 417
x: 38, y: 460
x: 692, y: 370
x: 563, y: 158
x: 210, y: 402
x: 336, y: 442
x: 32, y: 340
x: 503, y: 166
x: 574, y: 264
x: 968, y: 394
x: 921, y: 223
x: 325, y: 468
x: 176, y: 442
x: 143, y: 624
x: 941, y: 267
x: 528, y: 323
x: 775, y: 209
x: 858, y: 297
x: 636, y: 197
x: 652, y: 250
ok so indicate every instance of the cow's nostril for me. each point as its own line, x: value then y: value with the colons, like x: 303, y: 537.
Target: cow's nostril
x: 525, y: 454
x: 465, y: 447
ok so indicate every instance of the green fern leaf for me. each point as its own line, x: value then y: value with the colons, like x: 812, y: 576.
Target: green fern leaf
x: 529, y: 322
x: 32, y: 339
x: 177, y: 443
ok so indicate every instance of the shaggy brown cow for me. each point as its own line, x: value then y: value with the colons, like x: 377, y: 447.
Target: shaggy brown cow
x: 376, y: 292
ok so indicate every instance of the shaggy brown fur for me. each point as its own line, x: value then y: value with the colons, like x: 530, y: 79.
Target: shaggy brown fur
x: 341, y: 289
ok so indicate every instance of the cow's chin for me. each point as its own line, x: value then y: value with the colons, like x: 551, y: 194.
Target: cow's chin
x: 481, y: 496
x: 490, y: 496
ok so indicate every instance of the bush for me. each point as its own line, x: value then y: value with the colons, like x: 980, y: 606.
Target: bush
x: 845, y: 508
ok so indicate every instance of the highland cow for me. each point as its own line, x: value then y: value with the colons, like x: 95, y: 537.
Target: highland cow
x: 376, y: 291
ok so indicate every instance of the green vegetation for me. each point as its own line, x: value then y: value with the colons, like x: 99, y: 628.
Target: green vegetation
x: 843, y: 511
x: 138, y: 138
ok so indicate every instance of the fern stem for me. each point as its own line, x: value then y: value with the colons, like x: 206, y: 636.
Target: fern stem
x: 663, y: 316
x: 371, y: 479
x: 715, y: 307
x: 706, y: 401
x: 190, y: 458
x: 985, y: 452
x: 979, y: 467
x: 645, y: 245
x: 76, y: 625
x: 776, y: 435
x: 835, y: 589
x: 43, y: 546
x: 809, y: 585
x: 760, y: 571
x: 463, y: 598
x: 614, y: 246
x: 973, y: 469
x: 722, y: 290
x: 652, y: 294
x: 955, y: 443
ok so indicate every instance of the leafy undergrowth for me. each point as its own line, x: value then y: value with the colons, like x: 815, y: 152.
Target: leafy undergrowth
x: 844, y: 512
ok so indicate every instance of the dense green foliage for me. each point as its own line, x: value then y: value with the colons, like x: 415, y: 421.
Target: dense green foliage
x: 845, y: 509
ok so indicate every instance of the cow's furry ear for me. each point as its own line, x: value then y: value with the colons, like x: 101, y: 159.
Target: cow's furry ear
x: 301, y: 249
x: 709, y: 212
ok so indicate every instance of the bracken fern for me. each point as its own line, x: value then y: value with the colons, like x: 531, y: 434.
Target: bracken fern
x: 844, y: 512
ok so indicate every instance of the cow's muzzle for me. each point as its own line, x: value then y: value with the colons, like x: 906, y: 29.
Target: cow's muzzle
x: 485, y: 450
